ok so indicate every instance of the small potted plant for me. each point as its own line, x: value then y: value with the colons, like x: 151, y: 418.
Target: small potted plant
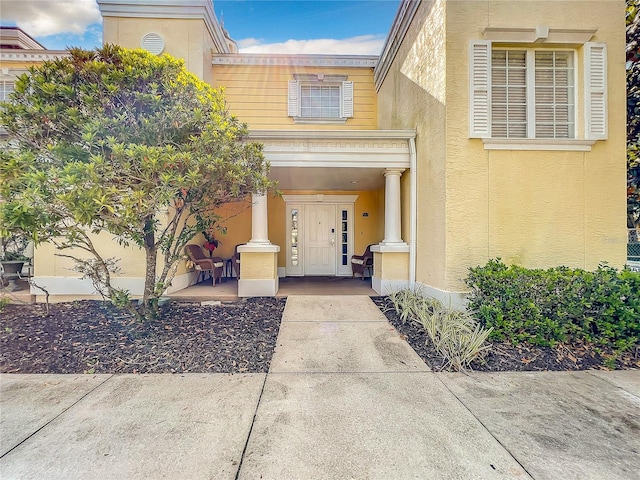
x: 211, y: 242
x: 12, y: 257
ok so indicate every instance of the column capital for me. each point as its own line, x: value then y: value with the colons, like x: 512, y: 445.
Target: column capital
x: 393, y: 171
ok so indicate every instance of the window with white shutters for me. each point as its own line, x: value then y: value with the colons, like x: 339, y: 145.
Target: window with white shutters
x: 530, y: 93
x: 320, y: 99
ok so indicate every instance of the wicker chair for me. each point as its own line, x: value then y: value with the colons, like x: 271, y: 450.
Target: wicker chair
x: 361, y: 263
x: 215, y: 265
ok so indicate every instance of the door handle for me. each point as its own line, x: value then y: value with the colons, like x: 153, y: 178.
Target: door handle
x: 333, y: 241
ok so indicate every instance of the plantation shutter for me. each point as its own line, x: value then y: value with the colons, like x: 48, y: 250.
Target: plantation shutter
x: 479, y: 89
x: 347, y: 99
x: 595, y: 90
x: 6, y: 88
x: 294, y: 104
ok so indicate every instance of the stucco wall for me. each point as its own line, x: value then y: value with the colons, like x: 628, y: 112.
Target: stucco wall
x: 413, y: 96
x: 535, y: 208
x: 258, y: 266
x: 184, y: 38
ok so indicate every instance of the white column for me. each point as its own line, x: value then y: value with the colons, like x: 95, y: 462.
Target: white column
x: 259, y: 220
x: 392, y: 207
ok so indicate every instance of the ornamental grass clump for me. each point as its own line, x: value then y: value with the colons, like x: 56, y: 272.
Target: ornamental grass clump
x: 455, y: 335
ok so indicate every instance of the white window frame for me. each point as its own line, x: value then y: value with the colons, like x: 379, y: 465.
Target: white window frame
x: 595, y: 99
x: 9, y: 77
x: 294, y: 97
x: 530, y: 84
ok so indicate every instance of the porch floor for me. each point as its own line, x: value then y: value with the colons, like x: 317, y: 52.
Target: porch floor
x: 228, y: 289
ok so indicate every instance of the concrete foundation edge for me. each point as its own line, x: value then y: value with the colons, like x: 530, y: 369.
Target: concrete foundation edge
x: 454, y: 300
x: 258, y: 287
x: 83, y: 286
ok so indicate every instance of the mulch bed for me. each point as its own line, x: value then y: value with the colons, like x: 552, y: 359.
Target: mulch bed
x: 237, y: 337
x: 503, y: 356
x: 96, y: 337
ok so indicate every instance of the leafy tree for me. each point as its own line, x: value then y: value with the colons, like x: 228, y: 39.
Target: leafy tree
x: 122, y: 142
x: 633, y: 113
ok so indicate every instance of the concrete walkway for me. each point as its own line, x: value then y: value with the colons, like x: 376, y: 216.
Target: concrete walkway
x: 345, y: 398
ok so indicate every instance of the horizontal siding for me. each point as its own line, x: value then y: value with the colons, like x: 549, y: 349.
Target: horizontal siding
x: 258, y: 95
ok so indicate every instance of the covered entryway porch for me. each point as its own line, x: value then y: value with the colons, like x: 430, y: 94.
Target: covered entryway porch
x: 227, y: 291
x: 341, y: 192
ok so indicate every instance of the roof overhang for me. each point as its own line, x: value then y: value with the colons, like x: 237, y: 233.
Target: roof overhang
x: 18, y: 39
x: 399, y: 27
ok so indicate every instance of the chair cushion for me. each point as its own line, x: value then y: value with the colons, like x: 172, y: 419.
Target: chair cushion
x: 357, y: 261
x: 218, y: 264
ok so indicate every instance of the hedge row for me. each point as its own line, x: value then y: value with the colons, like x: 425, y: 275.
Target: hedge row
x: 544, y: 307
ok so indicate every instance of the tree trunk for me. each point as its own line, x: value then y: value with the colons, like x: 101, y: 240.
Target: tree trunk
x: 149, y: 305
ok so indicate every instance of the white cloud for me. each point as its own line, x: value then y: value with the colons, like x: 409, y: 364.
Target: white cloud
x: 361, y: 45
x: 51, y: 17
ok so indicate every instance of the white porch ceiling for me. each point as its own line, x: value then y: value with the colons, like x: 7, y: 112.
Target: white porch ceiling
x: 347, y: 160
x: 331, y: 178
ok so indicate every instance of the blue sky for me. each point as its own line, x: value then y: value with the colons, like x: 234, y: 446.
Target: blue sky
x: 259, y: 26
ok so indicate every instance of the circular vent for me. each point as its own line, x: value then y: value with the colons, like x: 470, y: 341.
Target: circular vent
x: 153, y: 43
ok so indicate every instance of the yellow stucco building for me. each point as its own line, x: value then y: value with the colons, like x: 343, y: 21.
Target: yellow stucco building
x: 484, y: 129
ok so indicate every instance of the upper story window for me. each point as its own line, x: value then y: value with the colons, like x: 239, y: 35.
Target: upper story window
x: 320, y: 98
x: 6, y: 88
x: 530, y: 95
x: 320, y: 101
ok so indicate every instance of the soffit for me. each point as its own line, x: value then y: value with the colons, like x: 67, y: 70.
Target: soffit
x: 349, y: 160
x: 328, y: 178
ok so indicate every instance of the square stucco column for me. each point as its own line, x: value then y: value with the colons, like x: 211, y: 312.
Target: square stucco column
x: 259, y: 257
x: 391, y: 256
x: 390, y: 268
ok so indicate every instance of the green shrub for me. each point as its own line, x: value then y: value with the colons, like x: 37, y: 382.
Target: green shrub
x: 544, y: 307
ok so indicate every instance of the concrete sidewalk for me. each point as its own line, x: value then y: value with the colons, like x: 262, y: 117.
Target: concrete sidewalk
x: 346, y: 397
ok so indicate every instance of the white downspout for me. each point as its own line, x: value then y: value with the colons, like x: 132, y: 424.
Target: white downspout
x: 413, y: 180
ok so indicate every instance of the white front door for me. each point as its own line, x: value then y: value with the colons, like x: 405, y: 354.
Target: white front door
x: 319, y: 239
x: 320, y: 235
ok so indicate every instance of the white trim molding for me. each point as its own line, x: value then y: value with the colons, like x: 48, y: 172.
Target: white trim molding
x: 32, y: 55
x: 336, y: 148
x: 572, y: 145
x: 538, y: 34
x: 302, y: 60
